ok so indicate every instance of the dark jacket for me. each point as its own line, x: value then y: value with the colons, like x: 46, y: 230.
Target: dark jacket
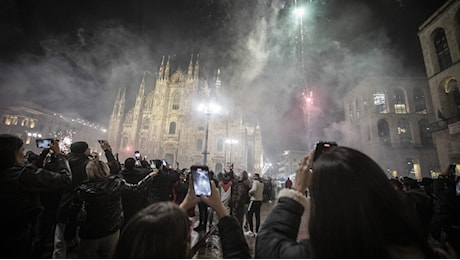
x: 234, y: 244
x: 77, y: 164
x: 20, y: 188
x: 161, y: 188
x: 103, y: 206
x: 133, y: 201
x: 240, y: 195
x: 277, y: 237
x: 19, y: 191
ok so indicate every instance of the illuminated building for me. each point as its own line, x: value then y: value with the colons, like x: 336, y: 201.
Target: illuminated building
x: 389, y: 120
x: 30, y: 122
x: 439, y: 38
x: 165, y: 123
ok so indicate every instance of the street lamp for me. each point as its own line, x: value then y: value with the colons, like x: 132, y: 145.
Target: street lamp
x: 231, y: 142
x: 208, y: 108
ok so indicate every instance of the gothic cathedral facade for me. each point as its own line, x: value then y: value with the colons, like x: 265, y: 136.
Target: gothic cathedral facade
x: 166, y: 123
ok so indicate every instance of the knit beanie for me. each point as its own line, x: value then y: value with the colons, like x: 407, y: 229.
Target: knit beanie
x: 79, y: 147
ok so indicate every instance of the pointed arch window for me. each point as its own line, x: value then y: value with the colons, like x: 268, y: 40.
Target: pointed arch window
x: 399, y: 101
x: 172, y: 128
x: 357, y: 108
x: 199, y: 145
x: 124, y: 142
x: 419, y: 101
x: 176, y: 101
x: 220, y: 145
x: 442, y: 49
x: 425, y: 134
x: 405, y: 136
x: 384, y: 132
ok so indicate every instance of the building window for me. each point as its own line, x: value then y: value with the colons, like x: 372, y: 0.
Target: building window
x: 199, y: 145
x: 25, y: 122
x: 399, y: 101
x: 143, y: 143
x: 220, y: 145
x: 404, y: 132
x: 442, y: 49
x: 357, y: 108
x: 384, y: 132
x: 176, y: 101
x: 169, y: 158
x: 350, y: 111
x: 419, y: 101
x: 425, y: 134
x: 172, y: 128
x: 380, y: 102
x: 124, y: 142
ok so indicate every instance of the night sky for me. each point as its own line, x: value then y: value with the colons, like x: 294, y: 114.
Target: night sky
x: 73, y: 56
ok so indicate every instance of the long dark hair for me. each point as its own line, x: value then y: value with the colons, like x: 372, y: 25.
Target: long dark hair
x: 159, y: 231
x: 9, y: 146
x: 355, y: 211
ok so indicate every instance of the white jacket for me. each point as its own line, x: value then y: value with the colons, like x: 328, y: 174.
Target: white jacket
x: 257, y: 190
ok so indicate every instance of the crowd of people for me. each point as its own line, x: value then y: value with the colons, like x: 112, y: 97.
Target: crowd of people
x: 90, y: 208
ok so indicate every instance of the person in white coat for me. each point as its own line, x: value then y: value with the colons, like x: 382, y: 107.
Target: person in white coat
x: 256, y: 193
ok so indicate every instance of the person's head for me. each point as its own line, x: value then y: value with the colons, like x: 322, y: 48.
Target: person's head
x: 256, y: 176
x: 243, y: 176
x: 161, y: 230
x: 158, y: 164
x: 80, y: 148
x: 94, y: 155
x: 362, y: 212
x: 97, y: 170
x: 11, y: 151
x: 130, y: 163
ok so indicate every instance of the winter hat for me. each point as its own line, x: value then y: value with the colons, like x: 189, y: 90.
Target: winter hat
x: 79, y: 147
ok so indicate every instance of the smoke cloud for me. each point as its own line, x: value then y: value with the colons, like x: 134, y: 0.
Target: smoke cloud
x: 252, y: 42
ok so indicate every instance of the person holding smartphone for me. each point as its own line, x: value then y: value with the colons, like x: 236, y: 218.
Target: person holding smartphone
x: 355, y: 213
x: 175, y: 242
x: 20, y: 185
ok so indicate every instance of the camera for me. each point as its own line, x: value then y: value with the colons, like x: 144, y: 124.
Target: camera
x: 44, y: 143
x: 201, y: 184
x: 321, y: 147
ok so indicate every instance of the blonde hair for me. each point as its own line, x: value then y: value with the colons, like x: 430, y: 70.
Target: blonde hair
x: 96, y: 170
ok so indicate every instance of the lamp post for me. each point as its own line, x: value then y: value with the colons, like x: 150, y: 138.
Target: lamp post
x: 231, y: 142
x: 208, y: 108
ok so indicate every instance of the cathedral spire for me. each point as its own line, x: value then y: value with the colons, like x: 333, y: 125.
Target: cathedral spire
x: 218, y: 83
x: 141, y: 89
x: 162, y: 68
x: 197, y: 67
x: 168, y: 67
x: 190, y: 67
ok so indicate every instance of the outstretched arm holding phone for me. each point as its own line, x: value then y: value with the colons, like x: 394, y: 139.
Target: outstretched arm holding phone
x: 234, y: 244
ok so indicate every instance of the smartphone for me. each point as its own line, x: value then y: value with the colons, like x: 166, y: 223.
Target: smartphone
x: 201, y: 184
x: 321, y: 147
x: 152, y: 164
x: 44, y: 143
x: 164, y: 163
x: 137, y: 155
